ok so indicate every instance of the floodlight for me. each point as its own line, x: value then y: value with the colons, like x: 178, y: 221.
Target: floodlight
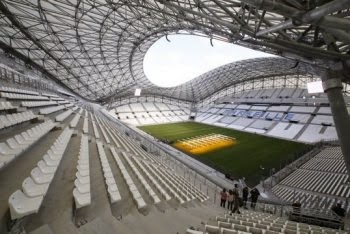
x: 137, y: 92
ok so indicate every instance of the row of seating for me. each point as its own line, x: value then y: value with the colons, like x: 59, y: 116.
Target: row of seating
x: 175, y: 185
x: 163, y: 182
x: 178, y: 182
x: 16, y: 96
x: 140, y: 177
x: 50, y: 110
x: 81, y: 192
x: 186, y: 186
x: 17, y: 118
x: 61, y: 117
x: 75, y: 120
x: 50, y: 95
x: 322, y: 182
x: 34, y: 188
x: 159, y: 188
x: 94, y: 126
x: 57, y: 99
x: 15, y: 90
x: 307, y: 199
x: 112, y: 187
x: 325, y: 165
x: 102, y: 128
x: 38, y: 103
x: 86, y: 125
x: 13, y: 147
x: 128, y: 180
x: 260, y: 223
x: 6, y: 106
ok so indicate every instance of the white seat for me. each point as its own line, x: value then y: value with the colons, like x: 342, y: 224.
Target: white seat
x: 83, y: 162
x: 81, y: 199
x: 140, y: 203
x: 83, y: 188
x: 108, y: 174
x: 31, y: 189
x: 112, y: 188
x: 6, y: 150
x: 21, y: 205
x: 45, y: 168
x: 20, y: 139
x: 49, y: 161
x: 110, y: 181
x: 17, y: 148
x: 6, y: 158
x: 83, y: 179
x: 39, y: 177
x: 114, y: 196
x: 83, y: 167
x: 84, y: 173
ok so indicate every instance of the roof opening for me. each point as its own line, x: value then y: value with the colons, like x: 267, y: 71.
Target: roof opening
x: 184, y: 57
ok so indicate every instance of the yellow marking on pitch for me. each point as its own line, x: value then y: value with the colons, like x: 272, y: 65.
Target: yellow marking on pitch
x: 205, y: 144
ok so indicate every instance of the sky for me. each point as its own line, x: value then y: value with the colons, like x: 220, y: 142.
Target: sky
x: 168, y: 64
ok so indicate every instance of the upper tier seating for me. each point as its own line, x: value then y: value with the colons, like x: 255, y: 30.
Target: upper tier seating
x: 285, y: 130
x: 50, y: 110
x: 63, y: 115
x: 6, y: 106
x: 13, y: 119
x: 22, y: 96
x: 16, y: 90
x: 13, y: 147
x: 36, y: 104
x: 315, y: 133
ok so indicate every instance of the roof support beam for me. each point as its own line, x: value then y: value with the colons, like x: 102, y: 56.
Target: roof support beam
x: 317, y: 16
x: 45, y: 72
x: 30, y: 37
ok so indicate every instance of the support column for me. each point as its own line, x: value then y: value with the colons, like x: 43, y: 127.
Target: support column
x: 333, y: 87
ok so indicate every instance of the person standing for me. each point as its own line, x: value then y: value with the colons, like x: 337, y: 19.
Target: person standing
x: 223, y: 195
x: 339, y: 210
x: 230, y: 200
x: 245, y: 193
x: 235, y: 201
x: 254, y: 195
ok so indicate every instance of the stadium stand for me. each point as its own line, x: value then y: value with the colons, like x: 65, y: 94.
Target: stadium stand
x: 150, y: 113
x: 301, y: 123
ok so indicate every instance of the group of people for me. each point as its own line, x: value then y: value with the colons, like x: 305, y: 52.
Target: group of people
x: 234, y: 200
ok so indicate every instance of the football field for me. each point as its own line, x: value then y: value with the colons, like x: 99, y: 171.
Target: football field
x: 251, y: 156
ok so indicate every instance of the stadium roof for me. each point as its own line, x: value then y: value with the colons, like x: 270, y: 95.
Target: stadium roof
x: 96, y: 47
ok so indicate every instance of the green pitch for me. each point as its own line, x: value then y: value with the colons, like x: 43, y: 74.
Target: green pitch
x: 245, y: 159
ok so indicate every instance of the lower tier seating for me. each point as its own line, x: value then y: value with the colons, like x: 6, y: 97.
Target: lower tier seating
x: 81, y: 192
x: 28, y: 200
x: 259, y: 223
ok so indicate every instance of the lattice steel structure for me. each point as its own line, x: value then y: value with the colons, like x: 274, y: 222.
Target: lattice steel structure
x: 96, y: 47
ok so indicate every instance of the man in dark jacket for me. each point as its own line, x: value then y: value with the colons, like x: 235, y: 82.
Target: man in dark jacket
x: 339, y: 210
x: 254, y: 194
x: 245, y: 193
